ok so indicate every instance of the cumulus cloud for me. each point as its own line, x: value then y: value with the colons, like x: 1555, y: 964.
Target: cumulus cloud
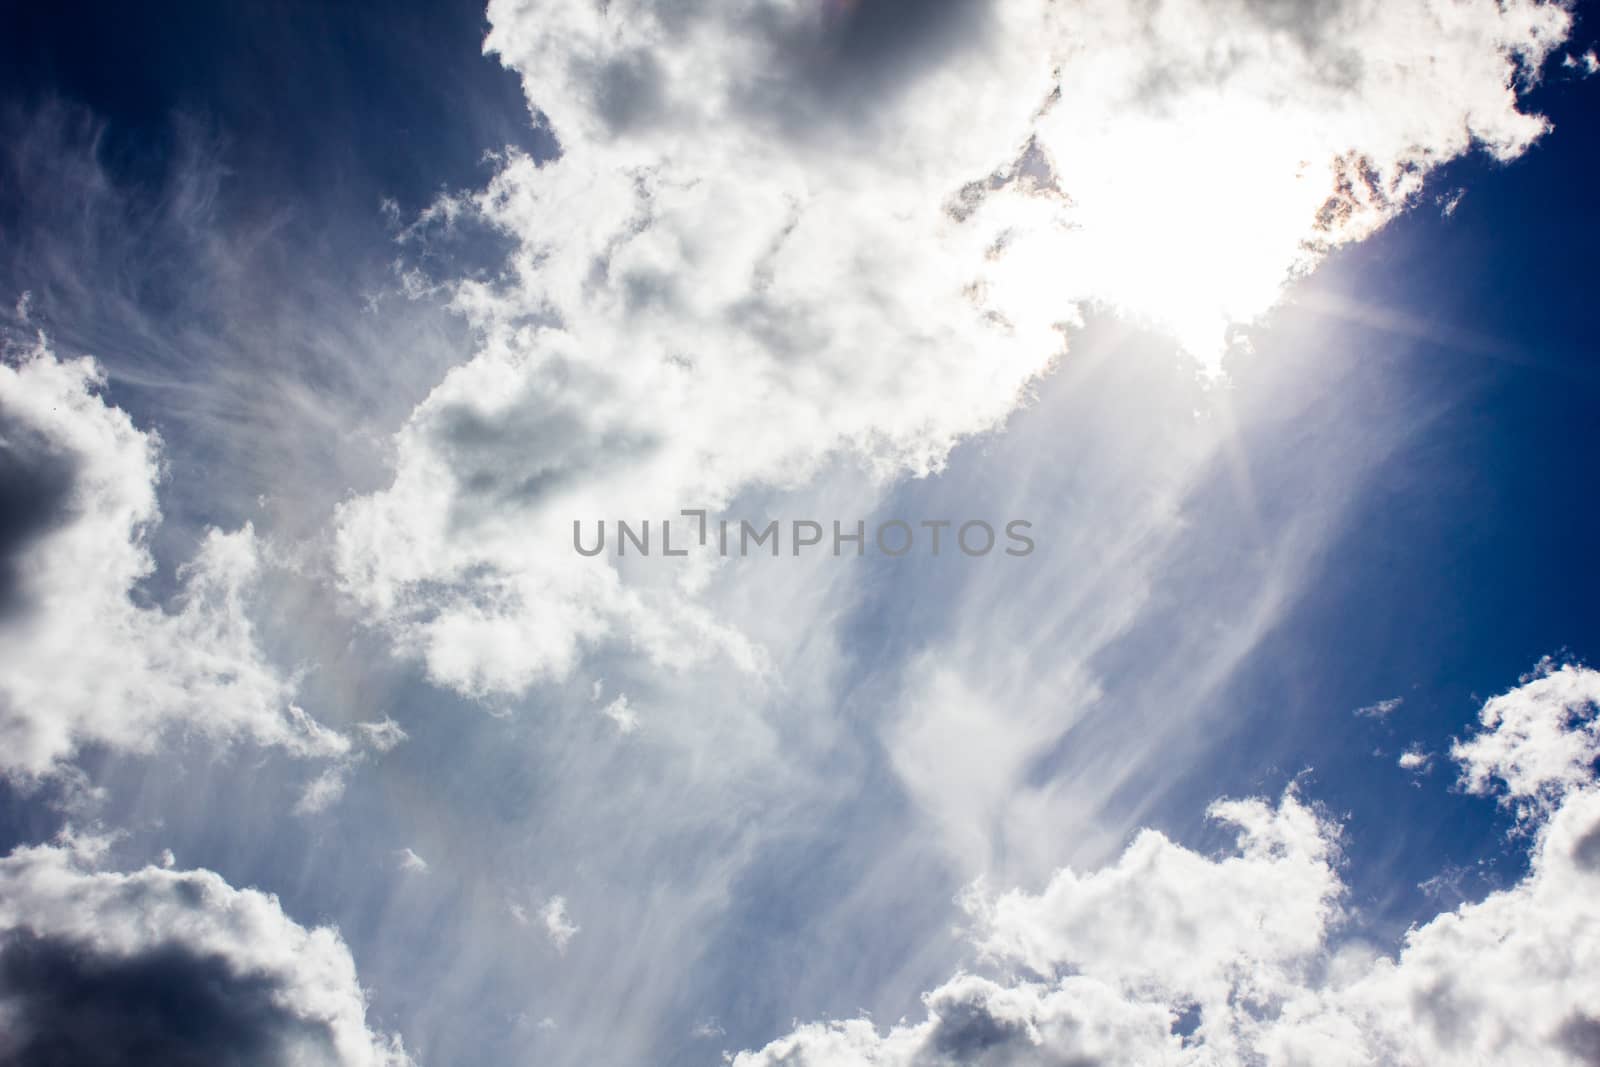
x: 781, y: 232
x: 1168, y: 956
x: 164, y: 966
x: 81, y: 660
x: 1541, y: 740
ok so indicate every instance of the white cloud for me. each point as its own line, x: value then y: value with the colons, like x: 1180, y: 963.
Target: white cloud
x: 1415, y: 759
x: 1380, y: 710
x: 621, y: 714
x: 91, y: 954
x: 1588, y: 63
x: 411, y: 862
x: 781, y: 233
x: 1101, y: 967
x: 322, y: 791
x: 80, y: 660
x: 328, y: 786
x: 558, y: 926
x: 1447, y: 885
x: 1541, y: 740
x: 1245, y: 918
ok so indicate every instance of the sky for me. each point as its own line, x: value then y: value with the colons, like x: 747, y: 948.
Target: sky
x: 322, y: 330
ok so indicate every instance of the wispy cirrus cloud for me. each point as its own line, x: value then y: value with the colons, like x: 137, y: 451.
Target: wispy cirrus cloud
x: 1381, y: 709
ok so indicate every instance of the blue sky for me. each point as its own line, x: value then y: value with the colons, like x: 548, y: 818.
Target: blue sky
x: 386, y: 328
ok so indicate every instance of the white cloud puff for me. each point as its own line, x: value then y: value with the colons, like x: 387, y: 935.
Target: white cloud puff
x: 322, y: 792
x: 1588, y: 64
x: 1415, y: 759
x: 622, y: 714
x: 92, y: 962
x: 80, y: 660
x: 1541, y: 739
x: 781, y: 232
x: 558, y: 926
x: 1171, y: 957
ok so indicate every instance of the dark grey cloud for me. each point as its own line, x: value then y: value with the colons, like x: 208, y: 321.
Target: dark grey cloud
x: 65, y: 1005
x: 628, y: 89
x: 968, y: 1032
x: 36, y: 484
x: 862, y: 55
x: 837, y: 62
x: 868, y: 39
x: 1580, y: 1036
x: 156, y: 966
x: 1587, y: 850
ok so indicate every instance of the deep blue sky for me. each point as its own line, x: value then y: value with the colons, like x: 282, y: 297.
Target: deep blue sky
x: 333, y: 104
